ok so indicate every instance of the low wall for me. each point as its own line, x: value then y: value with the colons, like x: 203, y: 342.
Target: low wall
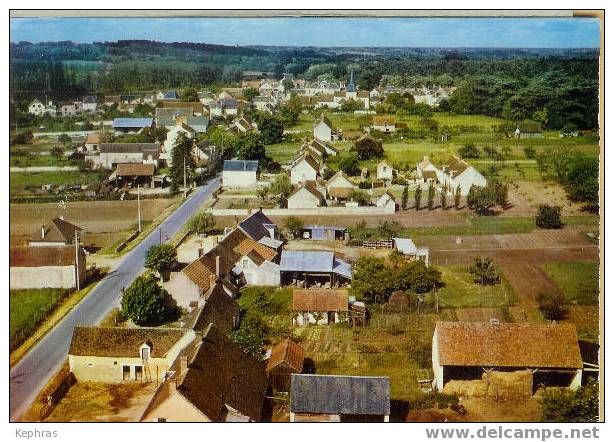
x: 321, y: 211
x: 79, y: 133
x: 44, y: 169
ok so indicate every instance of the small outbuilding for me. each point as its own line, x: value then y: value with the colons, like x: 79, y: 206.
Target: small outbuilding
x: 286, y: 358
x: 324, y: 233
x: 319, y: 306
x: 329, y: 398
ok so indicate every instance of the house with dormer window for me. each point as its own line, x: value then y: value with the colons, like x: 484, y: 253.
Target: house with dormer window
x: 115, y: 355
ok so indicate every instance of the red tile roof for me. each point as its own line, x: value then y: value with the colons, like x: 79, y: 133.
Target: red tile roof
x: 508, y: 345
x: 287, y: 352
x: 320, y: 300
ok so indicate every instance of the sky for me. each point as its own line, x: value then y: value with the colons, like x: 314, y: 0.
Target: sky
x: 372, y: 32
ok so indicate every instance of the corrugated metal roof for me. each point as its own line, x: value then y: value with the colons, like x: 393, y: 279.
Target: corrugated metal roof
x: 306, y: 261
x: 240, y: 166
x: 327, y: 394
x: 405, y: 246
x: 132, y: 122
x: 342, y: 268
x: 325, y: 228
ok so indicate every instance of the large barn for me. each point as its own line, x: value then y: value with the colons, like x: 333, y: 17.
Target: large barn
x: 465, y: 350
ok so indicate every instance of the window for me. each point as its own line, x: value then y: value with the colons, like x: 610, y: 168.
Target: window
x: 145, y: 353
x: 245, y: 263
x: 125, y: 372
x: 138, y: 373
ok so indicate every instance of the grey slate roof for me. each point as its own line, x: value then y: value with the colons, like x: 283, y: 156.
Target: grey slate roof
x: 240, y: 166
x: 325, y: 394
x: 255, y: 225
x: 306, y: 261
x: 132, y: 122
x: 129, y: 147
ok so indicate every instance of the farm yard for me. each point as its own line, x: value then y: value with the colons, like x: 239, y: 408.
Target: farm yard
x: 105, y: 223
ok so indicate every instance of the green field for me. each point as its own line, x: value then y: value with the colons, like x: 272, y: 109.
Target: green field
x: 283, y: 153
x: 488, y: 225
x: 27, y: 308
x: 24, y: 182
x: 579, y: 281
x: 462, y: 291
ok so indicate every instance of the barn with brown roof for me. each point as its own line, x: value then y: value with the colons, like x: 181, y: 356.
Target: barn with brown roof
x: 286, y: 357
x: 47, y: 267
x: 320, y: 306
x: 55, y: 232
x: 465, y: 350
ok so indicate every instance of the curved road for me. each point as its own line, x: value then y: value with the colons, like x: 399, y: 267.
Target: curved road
x: 32, y: 373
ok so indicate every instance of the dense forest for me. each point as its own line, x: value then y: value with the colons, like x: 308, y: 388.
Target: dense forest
x: 555, y: 87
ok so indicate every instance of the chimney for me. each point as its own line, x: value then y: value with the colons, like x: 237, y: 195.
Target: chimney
x: 217, y: 266
x: 42, y: 231
x: 183, y: 364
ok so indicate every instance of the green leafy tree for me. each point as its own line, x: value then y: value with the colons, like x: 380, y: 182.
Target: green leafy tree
x: 252, y: 335
x: 183, y: 162
x: 64, y: 138
x: 431, y: 196
x: 548, y: 217
x: 349, y: 164
x: 290, y: 111
x: 250, y: 93
x: 160, y: 257
x: 457, y: 197
x: 564, y: 405
x: 281, y: 186
x: 189, y: 94
x: 250, y: 147
x: 294, y: 226
x: 202, y: 222
x: 367, y: 147
x: 405, y: 198
x: 271, y: 129
x: 388, y: 229
x: 418, y: 198
x: 469, y: 151
x: 145, y: 302
x: 484, y: 271
x: 443, y: 198
x: 552, y: 306
x: 359, y: 196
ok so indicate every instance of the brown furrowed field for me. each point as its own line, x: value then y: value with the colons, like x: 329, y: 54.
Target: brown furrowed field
x: 104, y: 222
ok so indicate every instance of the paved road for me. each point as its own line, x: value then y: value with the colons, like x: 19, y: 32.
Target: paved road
x: 33, y: 372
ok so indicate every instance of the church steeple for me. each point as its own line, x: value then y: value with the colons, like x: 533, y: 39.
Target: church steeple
x: 351, y: 86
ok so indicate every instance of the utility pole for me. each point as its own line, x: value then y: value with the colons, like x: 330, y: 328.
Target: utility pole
x: 160, y: 232
x: 138, y: 204
x: 185, y: 185
x: 77, y: 282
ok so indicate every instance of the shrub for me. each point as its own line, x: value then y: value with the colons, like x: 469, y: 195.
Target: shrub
x: 548, y: 217
x: 552, y: 306
x: 484, y: 271
x: 146, y: 303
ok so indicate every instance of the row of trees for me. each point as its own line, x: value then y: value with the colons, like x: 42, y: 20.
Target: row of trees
x: 374, y: 279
